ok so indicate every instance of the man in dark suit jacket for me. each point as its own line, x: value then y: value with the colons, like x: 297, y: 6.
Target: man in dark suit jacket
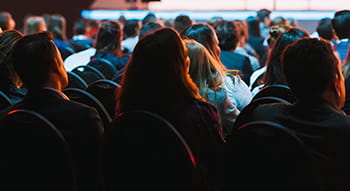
x: 41, y: 69
x: 228, y: 39
x: 316, y: 117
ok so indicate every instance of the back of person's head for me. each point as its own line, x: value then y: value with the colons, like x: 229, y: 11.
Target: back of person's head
x: 149, y: 28
x: 311, y: 68
x: 341, y: 25
x: 273, y: 74
x: 56, y: 24
x: 341, y: 12
x: 274, y: 33
x: 325, y: 30
x: 242, y: 28
x: 131, y: 28
x: 149, y: 18
x: 169, y: 23
x: 109, y: 38
x: 8, y: 75
x: 279, y: 20
x: 34, y: 57
x: 6, y: 21
x: 34, y: 24
x: 213, y: 20
x: 253, y: 26
x: 80, y: 26
x: 228, y: 35
x: 204, y: 34
x: 262, y: 14
x: 157, y: 72
x: 181, y: 22
x: 292, y: 22
x: 205, y: 71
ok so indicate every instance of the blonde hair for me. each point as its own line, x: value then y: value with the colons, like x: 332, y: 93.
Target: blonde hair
x: 204, y: 70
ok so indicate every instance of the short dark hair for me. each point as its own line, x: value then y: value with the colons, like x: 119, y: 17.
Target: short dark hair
x: 181, y: 22
x: 4, y: 20
x: 80, y: 26
x: 262, y: 13
x: 228, y: 35
x: 131, y: 28
x: 325, y: 29
x: 341, y: 25
x: 310, y: 66
x: 149, y: 28
x: 32, y: 57
x: 150, y: 17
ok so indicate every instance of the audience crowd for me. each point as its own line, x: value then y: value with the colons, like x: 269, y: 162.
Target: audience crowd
x: 213, y: 81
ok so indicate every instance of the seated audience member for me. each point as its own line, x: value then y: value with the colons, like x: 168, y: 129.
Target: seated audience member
x: 274, y: 74
x: 278, y: 21
x: 39, y: 65
x: 149, y: 28
x: 255, y: 40
x: 108, y: 44
x: 209, y: 77
x: 213, y: 20
x: 157, y: 80
x: 131, y: 31
x: 316, y: 117
x: 341, y: 26
x: 6, y: 21
x: 181, y: 22
x: 263, y: 16
x: 292, y: 22
x: 256, y: 79
x: 34, y: 24
x: 228, y: 35
x: 242, y: 47
x: 149, y: 18
x: 10, y: 83
x: 237, y: 90
x: 82, y: 38
x: 56, y: 24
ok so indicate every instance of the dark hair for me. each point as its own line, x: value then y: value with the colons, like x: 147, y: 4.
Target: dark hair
x: 131, y: 28
x: 181, y: 22
x: 80, y: 26
x: 228, y: 35
x: 310, y: 67
x: 341, y: 12
x: 57, y: 26
x: 262, y: 13
x: 273, y: 74
x: 109, y: 38
x: 341, y: 25
x: 8, y: 75
x: 149, y: 28
x: 279, y: 20
x: 204, y: 34
x: 253, y: 26
x: 32, y: 56
x: 325, y: 29
x: 150, y: 17
x: 160, y: 59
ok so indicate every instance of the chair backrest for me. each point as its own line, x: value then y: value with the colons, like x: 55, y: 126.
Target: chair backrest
x: 34, y: 154
x: 245, y: 115
x: 267, y: 156
x: 104, y: 66
x: 144, y: 151
x: 88, y: 73
x: 75, y: 81
x: 86, y: 98
x: 106, y: 91
x: 4, y: 101
x: 276, y: 90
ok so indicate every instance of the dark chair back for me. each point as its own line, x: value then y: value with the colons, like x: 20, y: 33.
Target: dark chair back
x: 245, y: 115
x: 276, y: 90
x: 86, y: 98
x: 104, y: 66
x: 34, y: 154
x: 267, y: 156
x: 75, y: 81
x: 107, y: 92
x: 88, y: 73
x: 144, y: 151
x: 4, y: 101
